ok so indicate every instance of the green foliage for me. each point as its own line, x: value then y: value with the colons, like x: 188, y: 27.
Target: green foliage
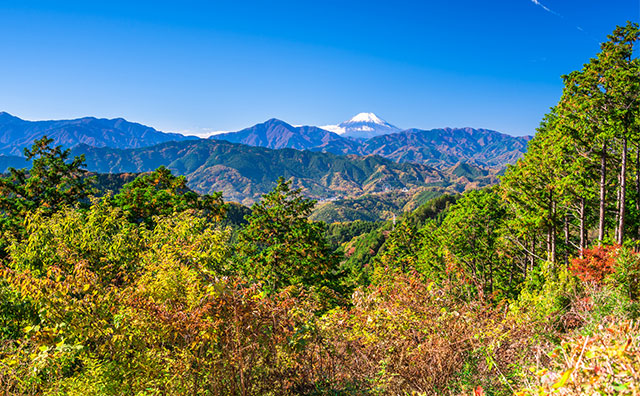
x: 406, y: 245
x: 547, y: 295
x: 112, y: 183
x: 236, y: 214
x: 84, y: 273
x: 471, y: 234
x: 360, y: 253
x: 626, y: 276
x: 280, y: 246
x: 16, y: 312
x: 338, y: 234
x: 160, y: 193
x: 52, y: 183
x: 375, y: 207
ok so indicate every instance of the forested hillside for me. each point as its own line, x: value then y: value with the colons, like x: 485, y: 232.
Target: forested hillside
x: 440, y: 148
x: 528, y: 287
x: 243, y: 173
x: 446, y: 147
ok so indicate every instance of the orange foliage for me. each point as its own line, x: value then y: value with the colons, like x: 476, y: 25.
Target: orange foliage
x: 596, y: 263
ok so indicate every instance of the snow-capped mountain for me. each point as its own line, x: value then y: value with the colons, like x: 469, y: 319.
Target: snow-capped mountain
x: 363, y: 126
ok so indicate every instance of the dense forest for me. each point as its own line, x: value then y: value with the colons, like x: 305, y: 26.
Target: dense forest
x: 115, y: 285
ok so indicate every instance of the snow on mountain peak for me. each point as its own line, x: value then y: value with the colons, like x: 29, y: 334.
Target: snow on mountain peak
x: 363, y: 126
x: 367, y: 117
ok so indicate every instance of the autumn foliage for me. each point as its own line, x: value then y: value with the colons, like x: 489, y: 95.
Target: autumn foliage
x: 596, y: 263
x: 150, y: 292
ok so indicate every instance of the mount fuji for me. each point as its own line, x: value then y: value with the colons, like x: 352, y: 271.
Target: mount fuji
x: 363, y: 126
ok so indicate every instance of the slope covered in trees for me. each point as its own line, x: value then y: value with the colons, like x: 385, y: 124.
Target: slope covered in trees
x: 530, y: 287
x: 244, y: 173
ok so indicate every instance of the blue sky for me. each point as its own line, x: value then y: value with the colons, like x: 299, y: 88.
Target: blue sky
x: 196, y: 66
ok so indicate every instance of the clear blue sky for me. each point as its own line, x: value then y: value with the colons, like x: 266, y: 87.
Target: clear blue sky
x: 192, y: 66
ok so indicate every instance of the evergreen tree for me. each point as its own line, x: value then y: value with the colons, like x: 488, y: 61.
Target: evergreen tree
x: 160, y: 193
x: 471, y: 234
x: 53, y: 182
x: 280, y: 246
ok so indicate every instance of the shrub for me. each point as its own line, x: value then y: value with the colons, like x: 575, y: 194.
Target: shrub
x: 595, y: 264
x: 605, y: 363
x: 406, y: 336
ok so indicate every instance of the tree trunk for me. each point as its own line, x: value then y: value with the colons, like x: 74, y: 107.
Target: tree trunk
x: 623, y: 192
x: 615, y: 228
x: 566, y: 238
x: 603, y: 190
x: 554, y: 240
x: 551, y: 230
x: 533, y: 251
x: 583, y: 231
x: 638, y: 191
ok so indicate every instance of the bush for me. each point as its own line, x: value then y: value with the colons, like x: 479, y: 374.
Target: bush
x: 606, y: 363
x: 595, y: 264
x: 406, y: 336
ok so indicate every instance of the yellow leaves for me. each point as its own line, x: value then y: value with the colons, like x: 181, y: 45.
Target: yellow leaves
x: 538, y: 373
x: 86, y: 287
x: 600, y: 364
x: 563, y: 379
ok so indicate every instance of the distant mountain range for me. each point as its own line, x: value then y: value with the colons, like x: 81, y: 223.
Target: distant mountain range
x: 16, y: 133
x: 246, y: 164
x: 441, y: 148
x: 448, y: 146
x: 277, y: 134
x: 243, y: 173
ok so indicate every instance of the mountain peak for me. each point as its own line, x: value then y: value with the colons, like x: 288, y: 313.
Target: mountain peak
x: 363, y: 126
x: 367, y: 117
x: 275, y: 121
x: 5, y: 115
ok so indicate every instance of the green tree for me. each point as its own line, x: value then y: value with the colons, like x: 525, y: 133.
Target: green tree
x: 53, y: 182
x: 471, y: 234
x: 600, y: 104
x: 280, y: 246
x: 160, y: 193
x: 574, y: 177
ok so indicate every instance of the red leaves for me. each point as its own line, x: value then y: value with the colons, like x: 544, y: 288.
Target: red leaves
x: 596, y: 264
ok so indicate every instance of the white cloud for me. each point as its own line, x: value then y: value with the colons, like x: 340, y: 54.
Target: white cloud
x: 334, y: 128
x: 201, y: 134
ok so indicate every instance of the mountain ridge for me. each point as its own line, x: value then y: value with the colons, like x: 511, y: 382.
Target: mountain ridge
x: 278, y: 134
x: 243, y: 173
x: 17, y: 133
x: 441, y: 148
